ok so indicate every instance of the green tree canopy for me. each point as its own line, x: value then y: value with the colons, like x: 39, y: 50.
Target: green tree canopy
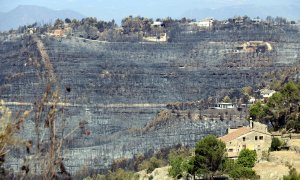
x: 276, y: 143
x: 209, y: 154
x: 282, y: 108
x: 247, y: 158
x: 178, y: 160
x: 257, y: 111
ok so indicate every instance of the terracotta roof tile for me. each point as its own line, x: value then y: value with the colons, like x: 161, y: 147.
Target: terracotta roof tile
x: 237, y: 133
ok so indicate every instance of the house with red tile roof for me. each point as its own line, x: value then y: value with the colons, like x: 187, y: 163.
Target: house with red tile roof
x: 254, y: 137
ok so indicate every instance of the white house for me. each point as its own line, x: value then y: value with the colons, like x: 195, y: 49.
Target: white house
x: 205, y: 23
x: 256, y: 20
x: 224, y: 106
x: 157, y: 24
x: 266, y: 93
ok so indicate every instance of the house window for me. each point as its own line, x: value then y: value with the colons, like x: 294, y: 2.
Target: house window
x: 230, y: 150
x: 244, y: 138
x: 255, y: 138
x: 261, y: 137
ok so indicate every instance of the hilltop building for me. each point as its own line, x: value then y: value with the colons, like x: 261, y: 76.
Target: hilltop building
x: 239, y: 20
x: 256, y: 20
x: 157, y: 24
x: 266, y: 93
x: 31, y: 30
x: 254, y: 137
x: 58, y: 33
x: 205, y: 23
x: 255, y: 46
x: 222, y: 105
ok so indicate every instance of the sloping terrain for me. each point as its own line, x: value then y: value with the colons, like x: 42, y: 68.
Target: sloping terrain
x: 119, y: 88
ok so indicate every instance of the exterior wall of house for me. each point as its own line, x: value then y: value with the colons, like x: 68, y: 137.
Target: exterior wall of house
x: 225, y: 105
x: 253, y: 140
x: 259, y: 127
x: 58, y: 32
x: 206, y: 23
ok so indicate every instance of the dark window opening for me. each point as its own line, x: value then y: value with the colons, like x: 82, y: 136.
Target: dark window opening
x: 255, y: 137
x: 244, y: 138
x: 261, y: 137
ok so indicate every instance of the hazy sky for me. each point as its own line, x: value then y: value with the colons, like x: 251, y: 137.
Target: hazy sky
x: 108, y: 9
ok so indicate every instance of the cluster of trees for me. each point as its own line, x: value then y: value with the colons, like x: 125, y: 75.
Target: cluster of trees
x: 136, y: 24
x: 210, y: 160
x: 89, y: 28
x: 242, y: 167
x: 124, y: 169
x: 134, y: 28
x: 281, y: 110
x: 207, y: 160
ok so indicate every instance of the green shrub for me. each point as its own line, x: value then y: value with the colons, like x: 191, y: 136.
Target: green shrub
x: 177, y: 161
x: 275, y: 145
x: 209, y: 154
x: 242, y: 172
x: 292, y: 176
x: 241, y: 168
x: 247, y: 158
x: 228, y: 165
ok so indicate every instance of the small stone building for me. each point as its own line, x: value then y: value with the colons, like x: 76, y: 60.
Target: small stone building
x: 58, y: 32
x: 254, y: 137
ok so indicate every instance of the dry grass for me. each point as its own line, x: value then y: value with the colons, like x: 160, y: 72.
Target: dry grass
x: 278, y: 165
x: 157, y: 174
x: 8, y: 127
x: 271, y: 170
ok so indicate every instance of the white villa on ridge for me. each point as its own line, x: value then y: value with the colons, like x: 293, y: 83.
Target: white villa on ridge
x: 222, y: 105
x: 205, y: 23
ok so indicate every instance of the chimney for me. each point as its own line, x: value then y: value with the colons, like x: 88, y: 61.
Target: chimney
x: 251, y: 123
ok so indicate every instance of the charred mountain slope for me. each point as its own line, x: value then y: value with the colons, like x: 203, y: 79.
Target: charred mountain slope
x: 118, y: 88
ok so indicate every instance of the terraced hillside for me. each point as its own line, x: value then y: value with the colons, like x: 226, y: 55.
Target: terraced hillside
x: 117, y: 89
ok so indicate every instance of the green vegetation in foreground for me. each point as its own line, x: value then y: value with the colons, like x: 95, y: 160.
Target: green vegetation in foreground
x: 242, y: 167
x: 281, y: 109
x: 207, y: 160
x: 293, y: 175
x: 210, y: 160
x: 276, y: 144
